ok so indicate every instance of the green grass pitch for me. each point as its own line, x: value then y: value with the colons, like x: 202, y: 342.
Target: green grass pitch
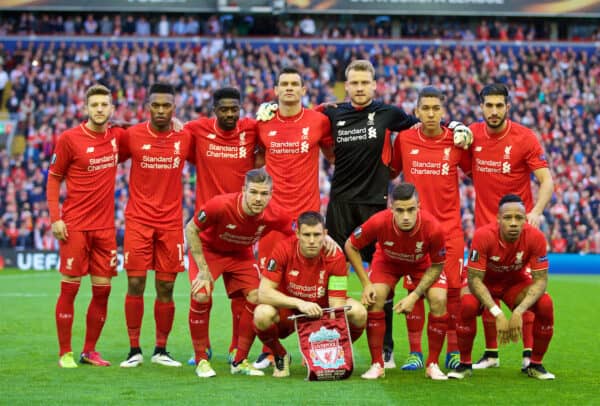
x: 29, y: 373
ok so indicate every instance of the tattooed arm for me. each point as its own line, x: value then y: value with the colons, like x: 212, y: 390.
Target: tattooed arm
x: 203, y: 280
x: 429, y: 277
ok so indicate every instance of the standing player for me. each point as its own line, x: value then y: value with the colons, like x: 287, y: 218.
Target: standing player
x: 154, y: 220
x: 224, y: 150
x: 220, y: 238
x: 359, y: 187
x: 85, y: 157
x: 409, y: 242
x: 428, y: 159
x: 300, y: 277
x: 291, y: 143
x: 500, y: 255
x: 505, y: 155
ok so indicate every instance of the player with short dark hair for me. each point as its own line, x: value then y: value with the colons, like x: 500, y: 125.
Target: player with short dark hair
x: 301, y: 278
x: 224, y: 149
x: 505, y: 154
x: 291, y: 142
x: 428, y: 158
x: 85, y: 157
x: 153, y: 220
x: 409, y: 241
x: 500, y: 255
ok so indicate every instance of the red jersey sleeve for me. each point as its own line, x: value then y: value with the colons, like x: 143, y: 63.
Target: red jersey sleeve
x: 62, y: 157
x: 539, y: 253
x: 124, y: 148
x: 366, y: 233
x: 277, y: 262
x: 437, y: 246
x: 535, y: 156
x: 209, y: 214
x: 396, y: 154
x: 479, y: 251
x: 325, y: 129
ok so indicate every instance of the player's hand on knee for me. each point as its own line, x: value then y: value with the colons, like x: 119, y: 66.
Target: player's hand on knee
x: 405, y: 305
x: 266, y: 111
x: 515, y: 326
x: 310, y: 309
x: 503, y: 329
x: 368, y: 295
x: 202, y: 284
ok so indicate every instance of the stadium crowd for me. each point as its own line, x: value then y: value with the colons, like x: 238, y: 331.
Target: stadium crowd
x: 554, y: 92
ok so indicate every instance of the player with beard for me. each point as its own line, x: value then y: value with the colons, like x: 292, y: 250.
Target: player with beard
x: 223, y: 151
x: 85, y: 157
x: 154, y: 220
x: 505, y: 154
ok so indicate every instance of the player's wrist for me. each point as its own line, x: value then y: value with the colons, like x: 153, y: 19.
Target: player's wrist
x: 495, y: 311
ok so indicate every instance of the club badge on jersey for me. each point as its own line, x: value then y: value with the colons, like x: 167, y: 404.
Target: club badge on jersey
x: 326, y: 345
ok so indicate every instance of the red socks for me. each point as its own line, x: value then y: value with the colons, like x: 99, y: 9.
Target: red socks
x: 64, y: 314
x: 247, y: 334
x: 163, y: 316
x: 270, y: 338
x: 375, y: 332
x: 237, y: 307
x: 453, y: 310
x: 466, y: 328
x: 198, y: 322
x: 134, y: 312
x: 96, y: 316
x: 437, y: 326
x: 415, y: 321
x: 543, y: 327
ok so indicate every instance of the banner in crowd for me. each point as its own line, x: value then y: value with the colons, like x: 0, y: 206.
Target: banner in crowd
x: 171, y: 6
x: 584, y: 8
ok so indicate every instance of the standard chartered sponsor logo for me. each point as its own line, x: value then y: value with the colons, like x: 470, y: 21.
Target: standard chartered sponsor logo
x: 288, y: 147
x: 226, y: 151
x: 490, y: 166
x: 351, y: 135
x: 159, y: 162
x: 427, y: 168
x: 308, y: 292
x: 106, y: 161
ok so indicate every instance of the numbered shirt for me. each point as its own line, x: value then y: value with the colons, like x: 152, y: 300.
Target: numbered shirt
x: 306, y: 278
x: 291, y: 147
x: 222, y: 158
x: 431, y: 164
x: 226, y: 229
x: 155, y: 184
x: 360, y: 176
x: 503, y: 261
x: 418, y: 248
x: 87, y: 160
x: 503, y: 164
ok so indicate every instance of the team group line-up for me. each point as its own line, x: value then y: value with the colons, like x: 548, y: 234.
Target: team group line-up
x: 257, y: 224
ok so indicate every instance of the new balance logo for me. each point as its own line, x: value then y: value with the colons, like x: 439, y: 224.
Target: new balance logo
x: 272, y: 133
x: 495, y: 259
x: 478, y: 149
x: 231, y: 226
x: 293, y: 272
x: 341, y: 123
x: 414, y: 151
x: 211, y: 136
x: 146, y: 147
x: 89, y: 150
x: 389, y: 243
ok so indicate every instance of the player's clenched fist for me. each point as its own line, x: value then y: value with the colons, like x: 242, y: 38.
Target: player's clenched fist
x: 463, y: 137
x: 266, y: 111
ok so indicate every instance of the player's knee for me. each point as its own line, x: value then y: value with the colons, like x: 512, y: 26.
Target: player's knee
x: 357, y: 315
x: 437, y: 301
x: 469, y: 307
x: 264, y: 316
x: 544, y: 308
x: 201, y: 297
x: 136, y: 286
x: 164, y: 290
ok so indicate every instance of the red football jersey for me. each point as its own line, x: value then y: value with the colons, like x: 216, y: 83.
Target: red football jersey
x: 502, y: 164
x: 225, y: 228
x: 431, y: 164
x: 291, y: 147
x: 505, y: 262
x: 155, y: 189
x: 304, y: 278
x: 222, y: 157
x: 87, y: 160
x: 419, y: 247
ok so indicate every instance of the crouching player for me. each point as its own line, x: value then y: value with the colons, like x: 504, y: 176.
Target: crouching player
x: 409, y: 242
x: 301, y: 278
x: 500, y: 255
